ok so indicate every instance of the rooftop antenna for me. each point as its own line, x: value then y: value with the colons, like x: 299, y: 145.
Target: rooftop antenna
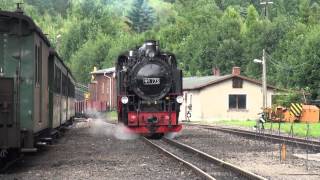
x: 19, y: 9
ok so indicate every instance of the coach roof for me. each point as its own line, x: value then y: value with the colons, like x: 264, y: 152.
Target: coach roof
x: 7, y: 15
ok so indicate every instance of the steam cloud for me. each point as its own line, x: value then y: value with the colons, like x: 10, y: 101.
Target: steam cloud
x: 99, y: 126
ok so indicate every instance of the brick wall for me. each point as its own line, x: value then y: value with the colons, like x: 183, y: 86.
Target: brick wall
x: 100, y: 92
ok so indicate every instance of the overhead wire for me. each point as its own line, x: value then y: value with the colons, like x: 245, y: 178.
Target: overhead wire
x: 287, y: 67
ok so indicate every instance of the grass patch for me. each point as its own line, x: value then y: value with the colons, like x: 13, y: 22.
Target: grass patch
x: 299, y: 129
x: 111, y: 115
x: 247, y: 123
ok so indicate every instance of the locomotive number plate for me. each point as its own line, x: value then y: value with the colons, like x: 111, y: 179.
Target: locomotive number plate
x: 151, y: 81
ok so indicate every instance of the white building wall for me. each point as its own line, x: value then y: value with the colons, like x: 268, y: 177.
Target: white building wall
x: 212, y: 103
x: 193, y: 99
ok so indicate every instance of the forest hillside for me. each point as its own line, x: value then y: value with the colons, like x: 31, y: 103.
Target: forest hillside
x: 204, y: 34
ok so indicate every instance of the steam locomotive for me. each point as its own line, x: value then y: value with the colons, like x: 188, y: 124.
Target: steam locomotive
x: 149, y: 90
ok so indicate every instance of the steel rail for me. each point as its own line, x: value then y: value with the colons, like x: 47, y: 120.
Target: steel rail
x: 268, y: 136
x: 194, y: 168
x: 10, y: 163
x: 233, y: 168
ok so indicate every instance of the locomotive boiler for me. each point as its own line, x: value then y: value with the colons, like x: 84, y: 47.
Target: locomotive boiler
x: 149, y: 90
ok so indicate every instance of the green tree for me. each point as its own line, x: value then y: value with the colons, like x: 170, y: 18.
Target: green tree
x: 92, y: 53
x: 287, y: 59
x: 305, y: 11
x: 253, y: 41
x: 311, y: 62
x: 141, y: 17
x: 229, y: 52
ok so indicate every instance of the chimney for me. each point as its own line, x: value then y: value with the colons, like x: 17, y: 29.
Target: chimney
x: 216, y: 71
x: 236, y: 71
x: 19, y: 9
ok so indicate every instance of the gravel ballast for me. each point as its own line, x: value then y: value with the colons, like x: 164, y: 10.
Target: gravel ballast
x: 256, y: 156
x: 89, y: 150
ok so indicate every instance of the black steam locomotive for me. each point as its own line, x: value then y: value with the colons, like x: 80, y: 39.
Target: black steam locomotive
x: 149, y: 90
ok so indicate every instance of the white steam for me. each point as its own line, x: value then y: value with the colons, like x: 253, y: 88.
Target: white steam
x: 171, y: 135
x: 123, y: 133
x: 99, y: 127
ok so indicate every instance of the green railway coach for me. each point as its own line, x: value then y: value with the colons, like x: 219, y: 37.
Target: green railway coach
x: 36, y: 88
x: 62, y: 94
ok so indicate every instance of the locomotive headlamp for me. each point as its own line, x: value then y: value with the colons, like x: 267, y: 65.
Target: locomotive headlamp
x: 124, y: 68
x: 124, y: 100
x: 151, y: 54
x: 179, y: 99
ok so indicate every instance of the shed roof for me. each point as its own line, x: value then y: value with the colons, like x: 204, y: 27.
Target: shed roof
x: 193, y: 83
x: 102, y: 71
x: 196, y: 82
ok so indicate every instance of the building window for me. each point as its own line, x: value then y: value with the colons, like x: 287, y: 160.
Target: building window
x: 237, y: 83
x: 237, y: 101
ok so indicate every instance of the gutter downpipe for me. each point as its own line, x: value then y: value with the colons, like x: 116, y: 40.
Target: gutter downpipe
x: 110, y: 90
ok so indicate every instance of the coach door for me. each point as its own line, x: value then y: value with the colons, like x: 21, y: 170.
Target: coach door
x: 7, y: 125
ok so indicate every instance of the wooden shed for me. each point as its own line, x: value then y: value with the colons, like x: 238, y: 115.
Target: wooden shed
x: 310, y: 113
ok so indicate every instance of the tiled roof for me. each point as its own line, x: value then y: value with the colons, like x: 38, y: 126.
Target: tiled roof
x: 197, y: 82
x: 102, y: 71
x: 191, y: 83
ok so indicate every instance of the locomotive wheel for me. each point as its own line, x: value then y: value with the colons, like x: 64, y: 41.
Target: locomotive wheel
x: 11, y: 157
x: 2, y: 164
x: 155, y: 136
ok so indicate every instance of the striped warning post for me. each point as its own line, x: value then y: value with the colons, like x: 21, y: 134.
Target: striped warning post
x: 296, y: 109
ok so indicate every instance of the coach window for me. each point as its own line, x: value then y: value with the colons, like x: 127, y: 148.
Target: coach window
x: 64, y: 85
x: 38, y: 63
x: 58, y: 80
x: 237, y: 102
x: 36, y: 56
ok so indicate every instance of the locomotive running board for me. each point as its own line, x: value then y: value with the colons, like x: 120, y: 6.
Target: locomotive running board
x: 47, y: 139
x: 29, y: 150
x: 41, y: 143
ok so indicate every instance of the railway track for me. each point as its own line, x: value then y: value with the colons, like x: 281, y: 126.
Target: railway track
x: 205, y: 165
x: 5, y: 165
x: 267, y: 136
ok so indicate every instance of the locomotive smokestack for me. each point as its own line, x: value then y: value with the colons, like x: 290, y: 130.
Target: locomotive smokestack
x: 151, y: 48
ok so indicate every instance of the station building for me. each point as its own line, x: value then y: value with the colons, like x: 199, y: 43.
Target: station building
x: 226, y: 97
x: 102, y: 90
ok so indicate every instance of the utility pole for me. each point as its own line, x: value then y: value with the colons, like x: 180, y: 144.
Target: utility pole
x: 264, y: 63
x: 265, y: 4
x: 58, y: 37
x: 264, y: 79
